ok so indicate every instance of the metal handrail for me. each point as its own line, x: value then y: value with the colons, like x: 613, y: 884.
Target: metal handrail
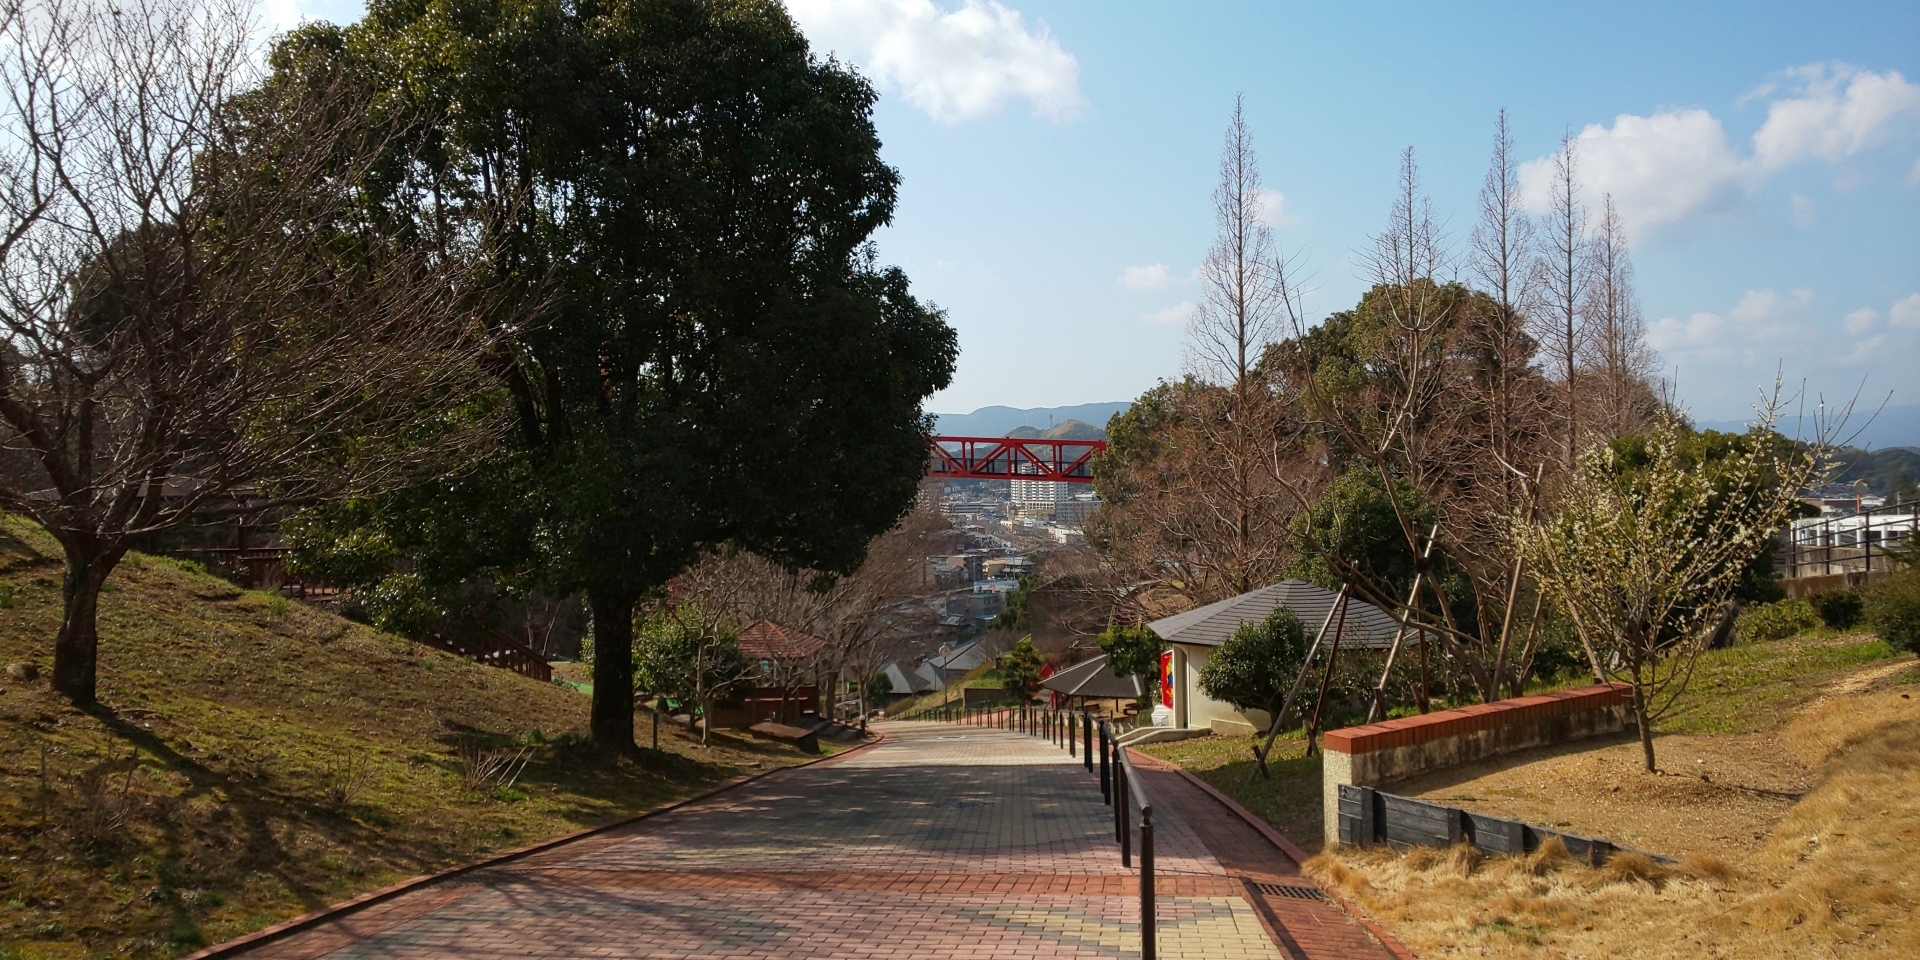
x: 1127, y: 792
x: 1847, y: 542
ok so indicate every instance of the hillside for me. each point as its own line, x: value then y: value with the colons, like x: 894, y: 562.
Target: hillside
x: 1884, y: 470
x: 997, y: 421
x: 1064, y: 430
x: 254, y: 759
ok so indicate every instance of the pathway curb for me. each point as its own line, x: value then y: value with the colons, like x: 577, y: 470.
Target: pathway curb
x: 277, y: 931
x: 1297, y: 855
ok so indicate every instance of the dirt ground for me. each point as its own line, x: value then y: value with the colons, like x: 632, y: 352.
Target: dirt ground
x: 1719, y: 794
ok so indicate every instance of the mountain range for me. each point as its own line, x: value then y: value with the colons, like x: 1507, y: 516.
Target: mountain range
x: 998, y: 421
x: 1892, y: 426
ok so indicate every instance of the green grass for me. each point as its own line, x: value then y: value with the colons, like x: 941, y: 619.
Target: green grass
x: 253, y: 759
x: 1289, y: 798
x: 1755, y: 686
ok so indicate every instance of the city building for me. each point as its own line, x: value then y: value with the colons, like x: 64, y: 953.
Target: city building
x: 1040, y: 492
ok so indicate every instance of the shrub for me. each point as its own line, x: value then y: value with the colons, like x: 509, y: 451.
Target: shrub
x: 1839, y: 610
x: 1893, y: 608
x: 1775, y: 621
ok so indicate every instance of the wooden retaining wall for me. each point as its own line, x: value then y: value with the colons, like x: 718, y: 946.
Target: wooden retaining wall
x: 1368, y: 816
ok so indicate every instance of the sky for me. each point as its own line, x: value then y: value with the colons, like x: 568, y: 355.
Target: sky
x: 1058, y: 158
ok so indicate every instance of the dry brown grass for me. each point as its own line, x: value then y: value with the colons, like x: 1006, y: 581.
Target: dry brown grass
x: 1835, y: 878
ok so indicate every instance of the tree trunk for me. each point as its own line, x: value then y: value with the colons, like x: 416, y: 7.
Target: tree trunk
x: 76, y: 648
x: 1640, y: 720
x: 612, y: 669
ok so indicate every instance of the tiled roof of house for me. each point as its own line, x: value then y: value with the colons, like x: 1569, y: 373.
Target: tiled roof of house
x: 766, y: 640
x: 1366, y: 624
x: 1092, y: 678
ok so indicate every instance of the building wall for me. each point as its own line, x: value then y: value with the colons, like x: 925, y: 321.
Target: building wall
x: 1193, y: 709
x: 1038, y: 491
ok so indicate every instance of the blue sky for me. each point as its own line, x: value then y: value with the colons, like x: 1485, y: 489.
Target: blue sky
x: 1058, y: 159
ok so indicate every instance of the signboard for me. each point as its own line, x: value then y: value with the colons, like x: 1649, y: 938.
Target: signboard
x: 1166, y: 679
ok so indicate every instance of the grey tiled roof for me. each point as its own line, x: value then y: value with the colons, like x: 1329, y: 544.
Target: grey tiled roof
x: 1366, y: 624
x: 1092, y: 679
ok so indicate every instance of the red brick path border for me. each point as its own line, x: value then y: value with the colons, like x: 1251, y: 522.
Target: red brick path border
x: 1276, y: 912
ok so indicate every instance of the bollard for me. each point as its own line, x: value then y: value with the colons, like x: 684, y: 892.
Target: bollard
x: 1106, y: 782
x: 1146, y: 883
x: 1073, y: 736
x: 1086, y: 743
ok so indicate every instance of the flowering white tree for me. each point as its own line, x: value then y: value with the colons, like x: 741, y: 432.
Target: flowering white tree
x: 1644, y: 556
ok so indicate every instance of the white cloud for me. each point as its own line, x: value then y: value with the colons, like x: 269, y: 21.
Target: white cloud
x: 1661, y: 169
x: 951, y: 65
x: 1178, y: 313
x: 1861, y: 320
x: 1905, y: 312
x: 1152, y: 277
x: 1803, y: 211
x: 1722, y: 357
x: 1761, y: 316
x: 281, y: 15
x: 1679, y: 165
x: 1273, y: 209
x: 1669, y: 334
x: 1829, y: 124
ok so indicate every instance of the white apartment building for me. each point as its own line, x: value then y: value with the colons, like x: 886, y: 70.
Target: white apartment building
x: 1040, y: 491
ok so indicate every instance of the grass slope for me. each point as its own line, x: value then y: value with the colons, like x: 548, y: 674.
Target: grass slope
x: 1832, y: 876
x: 254, y: 759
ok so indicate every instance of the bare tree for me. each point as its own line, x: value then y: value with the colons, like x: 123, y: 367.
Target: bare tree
x: 1401, y: 390
x: 1227, y: 412
x: 1502, y: 252
x: 194, y: 299
x: 866, y: 617
x: 1495, y: 483
x: 1621, y: 360
x: 1562, y: 272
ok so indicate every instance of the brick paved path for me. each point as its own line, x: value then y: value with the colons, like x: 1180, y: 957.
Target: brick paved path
x: 942, y: 842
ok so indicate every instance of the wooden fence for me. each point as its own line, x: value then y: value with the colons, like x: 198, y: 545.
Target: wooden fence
x: 1368, y: 816
x: 495, y: 649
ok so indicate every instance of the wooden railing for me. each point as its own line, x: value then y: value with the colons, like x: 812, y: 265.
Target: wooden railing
x: 495, y: 649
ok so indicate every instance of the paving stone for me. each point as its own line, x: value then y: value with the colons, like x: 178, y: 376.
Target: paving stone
x: 942, y: 842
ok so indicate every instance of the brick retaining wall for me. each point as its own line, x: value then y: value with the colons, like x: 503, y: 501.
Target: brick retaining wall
x: 1396, y: 749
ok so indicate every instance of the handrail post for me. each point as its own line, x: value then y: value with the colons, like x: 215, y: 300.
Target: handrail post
x: 1147, y: 945
x: 1866, y: 540
x: 1106, y: 782
x: 1086, y: 741
x: 1126, y: 819
x: 1073, y: 736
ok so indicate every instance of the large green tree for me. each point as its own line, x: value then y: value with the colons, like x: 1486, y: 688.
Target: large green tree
x: 721, y: 360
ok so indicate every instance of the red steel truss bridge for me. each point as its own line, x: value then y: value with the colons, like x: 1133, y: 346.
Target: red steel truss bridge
x: 1004, y: 458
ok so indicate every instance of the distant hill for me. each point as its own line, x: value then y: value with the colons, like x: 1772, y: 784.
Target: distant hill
x: 1000, y: 421
x: 1883, y: 470
x: 1895, y: 426
x: 1064, y: 430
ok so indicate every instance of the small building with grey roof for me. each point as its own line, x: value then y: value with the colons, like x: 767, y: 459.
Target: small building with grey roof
x: 1192, y: 636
